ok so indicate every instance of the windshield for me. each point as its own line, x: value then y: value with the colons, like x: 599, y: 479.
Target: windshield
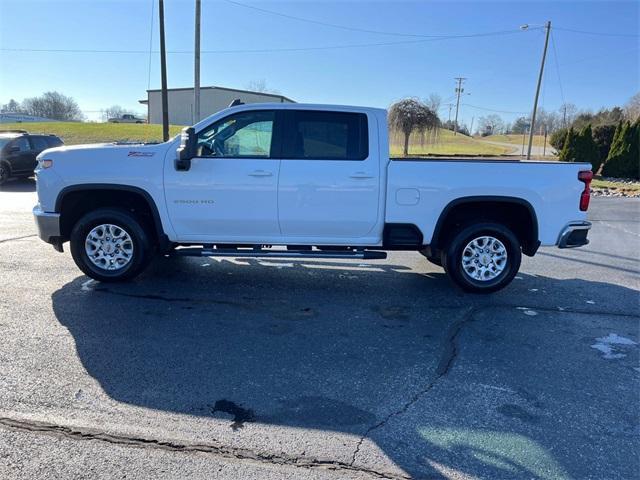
x: 4, y: 141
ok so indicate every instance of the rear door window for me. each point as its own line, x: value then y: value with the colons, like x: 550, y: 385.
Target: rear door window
x: 318, y: 135
x: 39, y: 143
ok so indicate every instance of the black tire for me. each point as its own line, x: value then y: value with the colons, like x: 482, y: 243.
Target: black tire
x: 142, y: 250
x: 5, y: 172
x: 453, y: 257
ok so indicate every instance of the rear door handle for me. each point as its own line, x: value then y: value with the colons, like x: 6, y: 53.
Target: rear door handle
x: 260, y: 173
x: 360, y: 175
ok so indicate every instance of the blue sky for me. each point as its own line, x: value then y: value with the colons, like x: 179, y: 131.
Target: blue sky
x: 594, y: 70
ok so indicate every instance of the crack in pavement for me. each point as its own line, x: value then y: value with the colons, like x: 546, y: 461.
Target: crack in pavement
x: 447, y: 358
x: 450, y: 352
x: 18, y: 238
x: 207, y: 448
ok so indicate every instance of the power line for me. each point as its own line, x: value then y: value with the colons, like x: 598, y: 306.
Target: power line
x: 602, y: 34
x: 341, y: 27
x: 491, y: 109
x: 264, y: 50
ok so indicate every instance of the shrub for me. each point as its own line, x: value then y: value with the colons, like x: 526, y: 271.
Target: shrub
x: 557, y: 138
x: 624, y: 156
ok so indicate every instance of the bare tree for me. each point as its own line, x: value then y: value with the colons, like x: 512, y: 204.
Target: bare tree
x: 114, y: 111
x: 11, y: 107
x: 567, y: 113
x: 490, y: 125
x: 53, y: 105
x: 632, y: 108
x: 411, y: 115
x: 260, y: 85
x: 433, y: 101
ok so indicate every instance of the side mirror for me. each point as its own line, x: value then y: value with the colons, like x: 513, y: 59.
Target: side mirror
x: 187, y: 149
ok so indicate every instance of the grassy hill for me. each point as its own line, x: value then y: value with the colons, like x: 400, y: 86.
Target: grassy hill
x: 515, y: 140
x: 447, y: 143
x: 74, y: 133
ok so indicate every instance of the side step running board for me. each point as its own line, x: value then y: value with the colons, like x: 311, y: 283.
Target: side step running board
x: 211, y: 252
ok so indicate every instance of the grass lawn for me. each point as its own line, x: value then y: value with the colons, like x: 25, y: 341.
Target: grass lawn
x: 516, y: 140
x: 75, y: 133
x: 447, y: 144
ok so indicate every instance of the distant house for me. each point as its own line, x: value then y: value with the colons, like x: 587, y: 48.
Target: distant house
x: 212, y: 100
x: 12, y: 117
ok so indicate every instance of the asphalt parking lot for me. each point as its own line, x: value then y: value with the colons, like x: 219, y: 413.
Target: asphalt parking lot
x: 235, y: 368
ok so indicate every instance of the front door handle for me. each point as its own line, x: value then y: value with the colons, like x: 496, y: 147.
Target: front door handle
x: 360, y: 175
x: 260, y: 173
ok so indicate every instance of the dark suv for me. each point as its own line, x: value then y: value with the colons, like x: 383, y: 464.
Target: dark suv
x: 18, y: 152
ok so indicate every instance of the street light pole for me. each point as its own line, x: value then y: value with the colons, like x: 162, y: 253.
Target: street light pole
x: 535, y: 102
x: 196, y: 72
x: 163, y: 74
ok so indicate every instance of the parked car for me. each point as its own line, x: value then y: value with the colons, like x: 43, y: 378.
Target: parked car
x: 18, y: 152
x: 300, y: 181
x: 127, y: 118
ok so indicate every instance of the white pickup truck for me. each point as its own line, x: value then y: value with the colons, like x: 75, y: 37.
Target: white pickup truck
x: 294, y: 180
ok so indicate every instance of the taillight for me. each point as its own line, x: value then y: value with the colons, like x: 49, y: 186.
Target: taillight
x: 585, y: 176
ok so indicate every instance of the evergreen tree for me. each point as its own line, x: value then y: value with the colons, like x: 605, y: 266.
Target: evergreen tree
x: 569, y: 153
x: 624, y: 156
x: 587, y: 149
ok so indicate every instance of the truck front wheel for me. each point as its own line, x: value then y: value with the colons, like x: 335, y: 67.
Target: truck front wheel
x: 483, y: 257
x: 110, y: 245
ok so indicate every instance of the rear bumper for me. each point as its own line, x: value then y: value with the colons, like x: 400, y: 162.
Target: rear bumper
x: 48, y: 225
x: 574, y: 235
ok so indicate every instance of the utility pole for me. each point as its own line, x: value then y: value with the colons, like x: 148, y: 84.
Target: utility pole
x: 471, y: 129
x: 163, y: 74
x: 459, y: 91
x: 196, y: 71
x: 535, y: 102
x: 450, y: 107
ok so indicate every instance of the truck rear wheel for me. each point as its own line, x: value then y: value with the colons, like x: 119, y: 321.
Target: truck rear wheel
x: 110, y: 245
x: 483, y: 257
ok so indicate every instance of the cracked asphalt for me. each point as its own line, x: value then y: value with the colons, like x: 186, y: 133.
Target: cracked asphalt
x: 241, y: 368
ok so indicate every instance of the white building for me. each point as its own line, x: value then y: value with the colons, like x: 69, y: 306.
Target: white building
x: 212, y: 100
x: 12, y: 117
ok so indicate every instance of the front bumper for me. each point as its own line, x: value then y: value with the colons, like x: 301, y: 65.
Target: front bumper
x: 48, y: 225
x: 574, y: 235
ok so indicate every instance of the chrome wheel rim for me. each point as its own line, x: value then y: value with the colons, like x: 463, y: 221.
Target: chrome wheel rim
x: 484, y: 258
x: 109, y: 247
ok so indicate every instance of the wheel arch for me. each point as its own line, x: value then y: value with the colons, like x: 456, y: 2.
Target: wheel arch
x: 76, y: 200
x: 489, y: 207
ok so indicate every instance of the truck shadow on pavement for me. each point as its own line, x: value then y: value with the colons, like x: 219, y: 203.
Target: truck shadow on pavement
x: 441, y: 382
